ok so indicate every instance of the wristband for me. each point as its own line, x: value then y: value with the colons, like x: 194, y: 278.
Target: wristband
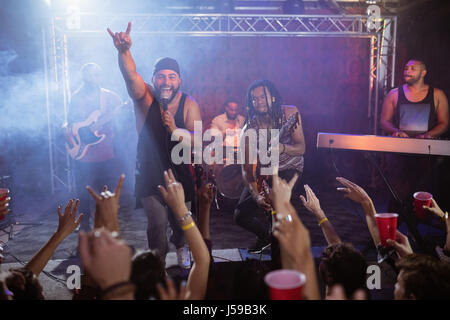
x: 188, y: 226
x: 323, y: 220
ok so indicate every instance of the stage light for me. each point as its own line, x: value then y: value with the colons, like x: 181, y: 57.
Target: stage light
x: 294, y: 7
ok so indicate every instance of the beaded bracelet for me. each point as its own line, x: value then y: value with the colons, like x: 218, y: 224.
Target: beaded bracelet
x: 188, y: 226
x: 186, y: 216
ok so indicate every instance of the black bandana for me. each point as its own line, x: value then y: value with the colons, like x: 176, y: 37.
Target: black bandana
x: 166, y: 64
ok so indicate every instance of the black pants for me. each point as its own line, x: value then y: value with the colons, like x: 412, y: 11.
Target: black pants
x: 247, y: 211
x: 96, y: 175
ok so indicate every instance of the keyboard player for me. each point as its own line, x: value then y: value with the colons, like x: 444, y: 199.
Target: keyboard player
x: 414, y: 110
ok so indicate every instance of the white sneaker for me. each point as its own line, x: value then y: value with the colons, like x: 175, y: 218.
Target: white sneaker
x: 184, y: 257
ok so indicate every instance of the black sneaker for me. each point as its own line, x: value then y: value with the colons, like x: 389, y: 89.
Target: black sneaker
x: 260, y: 245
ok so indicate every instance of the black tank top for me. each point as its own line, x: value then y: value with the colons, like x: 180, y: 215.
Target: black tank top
x: 153, y: 154
x: 415, y: 117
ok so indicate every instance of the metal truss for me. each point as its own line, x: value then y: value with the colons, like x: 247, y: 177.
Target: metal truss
x: 58, y: 97
x: 381, y: 53
x: 223, y: 24
x: 382, y: 67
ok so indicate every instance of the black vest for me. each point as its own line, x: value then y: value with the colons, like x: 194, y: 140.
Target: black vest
x: 415, y: 118
x: 153, y: 154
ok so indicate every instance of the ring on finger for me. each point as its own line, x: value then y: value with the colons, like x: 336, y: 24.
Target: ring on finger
x: 109, y: 193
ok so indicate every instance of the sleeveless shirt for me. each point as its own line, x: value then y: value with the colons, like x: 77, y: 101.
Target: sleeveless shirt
x: 153, y: 154
x: 286, y: 161
x: 415, y: 118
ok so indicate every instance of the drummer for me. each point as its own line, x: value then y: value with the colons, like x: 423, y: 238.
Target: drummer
x: 229, y: 124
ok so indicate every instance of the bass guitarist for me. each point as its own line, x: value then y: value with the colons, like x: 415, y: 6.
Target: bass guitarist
x: 265, y: 111
x: 90, y: 137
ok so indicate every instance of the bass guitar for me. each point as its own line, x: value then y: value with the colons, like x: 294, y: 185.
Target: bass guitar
x: 85, y: 134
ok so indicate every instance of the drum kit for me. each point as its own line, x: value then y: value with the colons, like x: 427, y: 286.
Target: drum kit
x: 226, y: 177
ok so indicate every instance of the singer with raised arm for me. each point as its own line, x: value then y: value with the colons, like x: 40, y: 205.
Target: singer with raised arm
x: 160, y: 109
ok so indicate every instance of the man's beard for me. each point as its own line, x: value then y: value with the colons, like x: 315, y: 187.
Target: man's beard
x: 231, y: 117
x: 172, y: 96
x: 411, y: 80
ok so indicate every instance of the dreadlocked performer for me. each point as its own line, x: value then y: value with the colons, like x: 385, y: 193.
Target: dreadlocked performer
x: 265, y: 111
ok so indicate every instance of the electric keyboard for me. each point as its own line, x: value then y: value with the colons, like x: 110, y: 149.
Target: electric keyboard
x: 382, y: 143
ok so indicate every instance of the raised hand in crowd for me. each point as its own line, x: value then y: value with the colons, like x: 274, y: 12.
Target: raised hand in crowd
x: 122, y: 40
x: 295, y: 247
x: 337, y: 292
x: 205, y: 199
x: 67, y: 223
x: 107, y: 207
x: 170, y: 292
x: 355, y: 193
x: 435, y: 209
x: 401, y: 244
x: 281, y: 192
x: 107, y: 261
x: 312, y: 203
x: 173, y: 195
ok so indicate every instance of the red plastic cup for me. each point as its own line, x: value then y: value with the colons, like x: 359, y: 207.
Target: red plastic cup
x: 422, y: 198
x: 387, y: 226
x: 285, y: 284
x: 3, y: 195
